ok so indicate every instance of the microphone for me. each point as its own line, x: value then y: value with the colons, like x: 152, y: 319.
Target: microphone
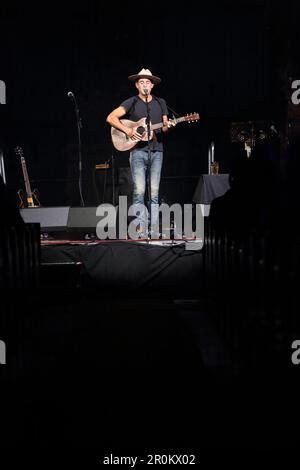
x: 72, y: 98
x: 274, y: 129
x: 146, y: 91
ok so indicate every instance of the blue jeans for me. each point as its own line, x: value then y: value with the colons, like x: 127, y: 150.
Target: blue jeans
x: 139, y: 164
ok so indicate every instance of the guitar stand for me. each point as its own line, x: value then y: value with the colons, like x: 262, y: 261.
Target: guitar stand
x: 109, y: 164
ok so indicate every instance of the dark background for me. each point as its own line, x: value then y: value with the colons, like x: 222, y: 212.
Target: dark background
x: 229, y: 61
x: 226, y: 60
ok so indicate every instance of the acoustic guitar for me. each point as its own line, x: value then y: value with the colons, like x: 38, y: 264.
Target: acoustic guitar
x: 28, y: 198
x: 122, y: 142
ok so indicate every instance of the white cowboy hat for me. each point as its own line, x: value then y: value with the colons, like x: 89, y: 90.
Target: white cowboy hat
x: 145, y: 73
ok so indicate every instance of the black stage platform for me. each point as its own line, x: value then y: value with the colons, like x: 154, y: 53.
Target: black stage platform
x: 127, y: 265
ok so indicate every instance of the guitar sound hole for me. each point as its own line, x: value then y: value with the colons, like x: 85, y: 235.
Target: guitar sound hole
x: 140, y: 130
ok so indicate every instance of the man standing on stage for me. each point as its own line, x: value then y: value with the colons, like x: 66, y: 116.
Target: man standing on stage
x: 146, y: 156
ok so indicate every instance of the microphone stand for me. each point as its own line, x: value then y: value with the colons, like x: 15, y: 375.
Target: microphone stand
x: 79, y: 127
x: 113, y: 179
x: 149, y: 162
x: 111, y: 161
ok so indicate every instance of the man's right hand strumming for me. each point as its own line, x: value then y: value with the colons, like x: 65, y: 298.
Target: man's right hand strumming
x: 114, y: 120
x: 132, y: 134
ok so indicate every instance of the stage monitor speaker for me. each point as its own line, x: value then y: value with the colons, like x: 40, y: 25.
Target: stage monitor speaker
x: 83, y: 221
x: 50, y: 218
x: 70, y: 222
x: 82, y: 218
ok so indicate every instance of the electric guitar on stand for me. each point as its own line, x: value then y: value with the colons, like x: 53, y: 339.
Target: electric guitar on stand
x: 28, y: 198
x: 122, y: 142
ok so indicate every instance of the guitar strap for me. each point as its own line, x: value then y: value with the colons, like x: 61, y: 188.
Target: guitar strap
x: 158, y: 100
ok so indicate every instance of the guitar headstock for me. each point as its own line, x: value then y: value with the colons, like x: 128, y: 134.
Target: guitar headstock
x: 193, y: 117
x: 19, y: 151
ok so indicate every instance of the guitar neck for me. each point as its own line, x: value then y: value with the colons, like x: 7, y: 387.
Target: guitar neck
x: 160, y: 124
x: 156, y: 126
x: 26, y: 178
